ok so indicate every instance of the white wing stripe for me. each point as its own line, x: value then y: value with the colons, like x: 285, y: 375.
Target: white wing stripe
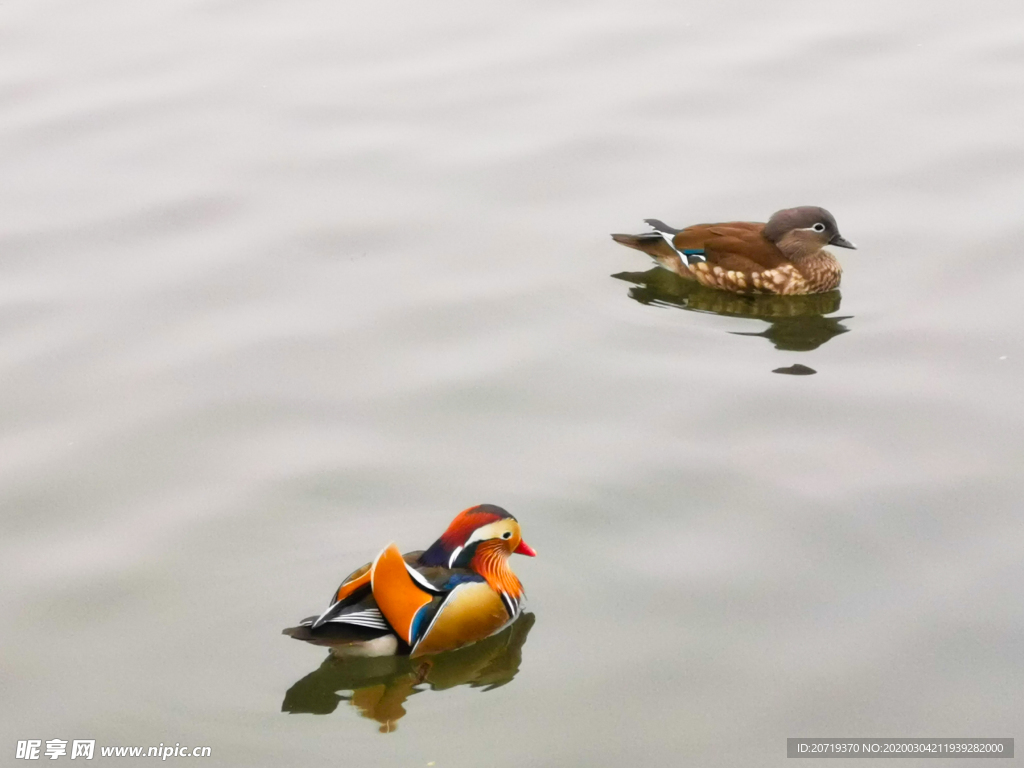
x: 454, y: 557
x: 418, y: 578
x: 368, y: 617
x: 368, y: 623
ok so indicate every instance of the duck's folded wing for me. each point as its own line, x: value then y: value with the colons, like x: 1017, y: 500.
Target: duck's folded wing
x: 355, y: 581
x: 404, y: 596
x: 361, y: 612
x: 740, y: 246
x: 354, y: 589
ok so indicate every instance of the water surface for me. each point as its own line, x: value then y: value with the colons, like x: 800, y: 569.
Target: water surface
x: 283, y: 283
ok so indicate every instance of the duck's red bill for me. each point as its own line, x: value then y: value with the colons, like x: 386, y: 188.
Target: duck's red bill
x: 525, y: 549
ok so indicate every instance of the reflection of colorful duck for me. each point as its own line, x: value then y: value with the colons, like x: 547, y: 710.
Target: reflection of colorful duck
x: 796, y: 323
x: 380, y: 685
x: 458, y: 591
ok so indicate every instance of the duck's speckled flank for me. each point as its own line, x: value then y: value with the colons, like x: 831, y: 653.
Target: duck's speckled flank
x: 818, y: 274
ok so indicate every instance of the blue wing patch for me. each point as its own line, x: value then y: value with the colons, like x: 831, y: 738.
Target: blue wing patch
x: 421, y: 621
x: 461, y: 578
x: 688, y: 255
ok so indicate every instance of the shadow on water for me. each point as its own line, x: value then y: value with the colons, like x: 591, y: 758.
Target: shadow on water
x: 380, y: 685
x: 795, y: 323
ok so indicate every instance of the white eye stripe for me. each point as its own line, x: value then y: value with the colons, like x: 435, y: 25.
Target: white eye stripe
x: 489, y: 531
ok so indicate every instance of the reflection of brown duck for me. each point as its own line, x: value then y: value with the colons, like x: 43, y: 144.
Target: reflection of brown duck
x: 380, y: 685
x: 796, y: 323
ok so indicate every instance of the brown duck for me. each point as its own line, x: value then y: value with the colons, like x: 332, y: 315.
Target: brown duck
x: 786, y: 256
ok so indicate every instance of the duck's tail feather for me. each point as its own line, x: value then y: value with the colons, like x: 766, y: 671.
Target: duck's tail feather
x: 651, y: 243
x: 635, y: 241
x: 660, y: 245
x: 661, y: 226
x: 337, y: 634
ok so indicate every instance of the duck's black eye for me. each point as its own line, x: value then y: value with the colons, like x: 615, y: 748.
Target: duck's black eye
x: 819, y: 227
x: 507, y: 535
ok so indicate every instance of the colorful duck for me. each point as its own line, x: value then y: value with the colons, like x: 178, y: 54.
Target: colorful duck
x: 786, y: 256
x: 454, y: 593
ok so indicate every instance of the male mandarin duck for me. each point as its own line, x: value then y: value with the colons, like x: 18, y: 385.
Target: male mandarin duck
x: 454, y: 593
x: 787, y: 255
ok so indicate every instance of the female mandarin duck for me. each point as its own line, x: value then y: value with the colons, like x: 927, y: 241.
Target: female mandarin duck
x: 787, y: 255
x: 458, y: 591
